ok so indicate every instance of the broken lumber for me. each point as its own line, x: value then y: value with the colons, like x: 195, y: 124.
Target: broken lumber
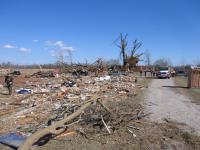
x: 56, y: 128
x: 107, y: 128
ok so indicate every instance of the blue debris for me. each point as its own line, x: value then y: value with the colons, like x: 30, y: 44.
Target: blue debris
x: 24, y: 91
x: 12, y: 139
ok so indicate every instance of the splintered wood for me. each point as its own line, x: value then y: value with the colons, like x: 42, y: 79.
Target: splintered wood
x: 56, y: 128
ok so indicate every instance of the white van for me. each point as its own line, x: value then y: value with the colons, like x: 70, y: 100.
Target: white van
x: 164, y: 72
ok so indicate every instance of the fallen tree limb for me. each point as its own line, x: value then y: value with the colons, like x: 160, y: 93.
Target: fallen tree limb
x: 56, y: 128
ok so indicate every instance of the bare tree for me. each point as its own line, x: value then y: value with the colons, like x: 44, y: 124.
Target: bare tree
x: 134, y: 57
x: 122, y: 43
x: 163, y: 62
x: 148, y: 57
x: 136, y: 46
x: 61, y: 56
x: 60, y: 51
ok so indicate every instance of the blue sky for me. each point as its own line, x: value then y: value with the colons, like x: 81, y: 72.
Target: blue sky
x: 35, y: 31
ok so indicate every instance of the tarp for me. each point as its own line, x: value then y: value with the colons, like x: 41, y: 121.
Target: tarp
x: 24, y: 91
x: 12, y: 139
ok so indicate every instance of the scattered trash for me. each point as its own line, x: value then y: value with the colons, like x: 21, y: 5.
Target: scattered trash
x: 70, y: 83
x: 105, y: 78
x: 80, y: 73
x: 46, y: 101
x: 24, y: 91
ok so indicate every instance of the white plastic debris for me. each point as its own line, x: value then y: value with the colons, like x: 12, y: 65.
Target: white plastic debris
x: 106, y: 78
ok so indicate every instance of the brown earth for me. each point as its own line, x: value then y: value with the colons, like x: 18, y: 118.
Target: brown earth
x: 129, y: 131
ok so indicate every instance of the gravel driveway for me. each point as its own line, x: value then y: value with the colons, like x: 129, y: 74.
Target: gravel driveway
x: 163, y: 102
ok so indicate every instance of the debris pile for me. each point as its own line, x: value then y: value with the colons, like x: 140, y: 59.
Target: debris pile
x: 41, y: 74
x: 51, y: 106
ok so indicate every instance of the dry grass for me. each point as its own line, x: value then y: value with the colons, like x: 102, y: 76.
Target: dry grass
x: 181, y: 83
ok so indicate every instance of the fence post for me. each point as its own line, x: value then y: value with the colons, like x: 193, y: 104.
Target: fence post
x: 190, y: 78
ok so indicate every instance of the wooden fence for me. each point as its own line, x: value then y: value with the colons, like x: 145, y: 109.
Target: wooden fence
x: 194, y: 78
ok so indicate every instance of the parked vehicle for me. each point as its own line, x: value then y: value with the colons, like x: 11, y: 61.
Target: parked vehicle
x: 164, y: 72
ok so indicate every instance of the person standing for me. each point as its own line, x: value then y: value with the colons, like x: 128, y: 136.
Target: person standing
x: 9, y: 83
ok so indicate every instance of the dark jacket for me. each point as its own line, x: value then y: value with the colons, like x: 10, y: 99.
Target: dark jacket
x: 9, y: 80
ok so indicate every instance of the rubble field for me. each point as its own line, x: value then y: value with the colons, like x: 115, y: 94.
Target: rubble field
x: 113, y: 119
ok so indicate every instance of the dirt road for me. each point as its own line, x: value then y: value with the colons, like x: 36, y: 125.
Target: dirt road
x: 164, y: 102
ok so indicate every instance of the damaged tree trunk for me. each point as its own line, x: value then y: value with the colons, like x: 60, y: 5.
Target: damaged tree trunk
x: 56, y: 128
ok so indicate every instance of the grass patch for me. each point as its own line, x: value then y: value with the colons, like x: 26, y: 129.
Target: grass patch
x: 194, y: 93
